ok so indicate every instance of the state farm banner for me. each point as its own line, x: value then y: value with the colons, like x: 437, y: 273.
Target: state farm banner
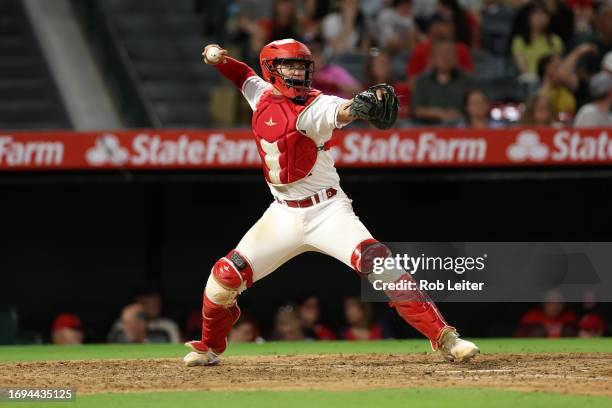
x: 233, y: 149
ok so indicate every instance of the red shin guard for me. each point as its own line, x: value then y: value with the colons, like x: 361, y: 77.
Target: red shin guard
x: 217, y: 321
x: 413, y: 306
x: 423, y: 316
x: 234, y: 273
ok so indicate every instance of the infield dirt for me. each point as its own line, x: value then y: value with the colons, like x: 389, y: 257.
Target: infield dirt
x: 580, y: 373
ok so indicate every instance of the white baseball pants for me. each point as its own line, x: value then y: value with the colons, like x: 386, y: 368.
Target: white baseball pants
x: 330, y: 227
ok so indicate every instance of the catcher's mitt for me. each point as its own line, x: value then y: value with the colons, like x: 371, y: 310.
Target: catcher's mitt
x: 382, y: 113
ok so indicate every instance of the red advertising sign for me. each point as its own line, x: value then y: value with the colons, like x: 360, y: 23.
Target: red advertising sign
x: 219, y: 149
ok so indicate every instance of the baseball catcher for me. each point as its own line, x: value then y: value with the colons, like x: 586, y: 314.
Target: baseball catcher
x: 292, y: 124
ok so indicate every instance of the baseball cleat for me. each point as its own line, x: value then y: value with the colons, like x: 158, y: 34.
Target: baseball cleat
x: 453, y: 348
x: 200, y: 356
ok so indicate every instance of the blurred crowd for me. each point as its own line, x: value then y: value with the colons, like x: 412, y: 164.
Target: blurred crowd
x: 553, y: 318
x: 463, y: 63
x: 304, y: 319
x: 141, y: 322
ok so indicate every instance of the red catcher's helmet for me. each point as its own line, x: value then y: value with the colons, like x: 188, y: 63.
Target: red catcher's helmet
x: 282, y: 51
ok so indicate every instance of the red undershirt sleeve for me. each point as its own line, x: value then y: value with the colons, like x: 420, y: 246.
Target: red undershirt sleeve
x: 235, y: 71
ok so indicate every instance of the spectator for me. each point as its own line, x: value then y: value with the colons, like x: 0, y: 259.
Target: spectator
x: 476, y: 110
x: 396, y: 28
x: 132, y: 327
x: 67, y: 329
x: 592, y: 323
x: 250, y: 34
x: 583, y: 16
x: 371, y: 8
x: 245, y: 330
x: 538, y: 111
x: 475, y: 6
x: 309, y: 311
x: 378, y: 71
x: 464, y: 24
x: 160, y: 329
x: 560, y: 81
x: 438, y: 94
x: 440, y: 28
x: 518, y: 4
x: 597, y: 113
x: 345, y: 30
x: 534, y: 41
x: 284, y: 22
x: 313, y: 12
x: 316, y: 10
x: 287, y: 325
x: 332, y: 79
x: 423, y: 10
x: 555, y: 88
x: 359, y: 322
x: 550, y: 320
x: 561, y: 19
x: 606, y: 63
x: 589, y: 303
x: 378, y: 67
x: 590, y: 64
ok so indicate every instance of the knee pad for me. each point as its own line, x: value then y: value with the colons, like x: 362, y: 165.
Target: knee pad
x: 364, y: 254
x: 229, y: 277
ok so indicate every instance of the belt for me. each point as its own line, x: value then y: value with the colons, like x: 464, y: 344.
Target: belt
x: 322, y: 195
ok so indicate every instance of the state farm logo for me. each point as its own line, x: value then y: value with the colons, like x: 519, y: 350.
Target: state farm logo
x: 107, y: 150
x: 15, y: 152
x: 427, y: 147
x: 143, y: 149
x: 527, y: 147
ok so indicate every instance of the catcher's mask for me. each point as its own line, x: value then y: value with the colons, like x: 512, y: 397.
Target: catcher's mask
x: 287, y: 52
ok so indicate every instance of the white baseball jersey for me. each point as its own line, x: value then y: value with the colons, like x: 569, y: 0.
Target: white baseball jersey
x: 317, y: 121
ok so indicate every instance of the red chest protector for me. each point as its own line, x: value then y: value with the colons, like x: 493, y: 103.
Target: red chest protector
x: 287, y: 154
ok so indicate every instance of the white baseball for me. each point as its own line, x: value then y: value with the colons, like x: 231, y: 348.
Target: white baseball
x: 212, y: 54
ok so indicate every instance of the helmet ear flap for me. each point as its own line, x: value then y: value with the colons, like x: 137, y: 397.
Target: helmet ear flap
x: 269, y: 67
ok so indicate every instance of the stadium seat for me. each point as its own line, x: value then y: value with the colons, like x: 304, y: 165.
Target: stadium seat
x: 19, y: 68
x: 488, y: 66
x: 15, y: 46
x: 143, y: 49
x: 159, y: 44
x: 27, y: 110
x: 136, y: 25
x: 175, y: 91
x: 183, y: 114
x: 157, y: 25
x: 181, y: 71
x: 30, y: 99
x: 158, y: 71
x: 149, y: 6
x: 23, y: 88
x: 182, y: 24
x: 504, y: 90
x: 495, y: 29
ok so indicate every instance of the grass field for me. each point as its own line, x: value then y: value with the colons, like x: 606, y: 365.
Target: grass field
x: 509, y: 373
